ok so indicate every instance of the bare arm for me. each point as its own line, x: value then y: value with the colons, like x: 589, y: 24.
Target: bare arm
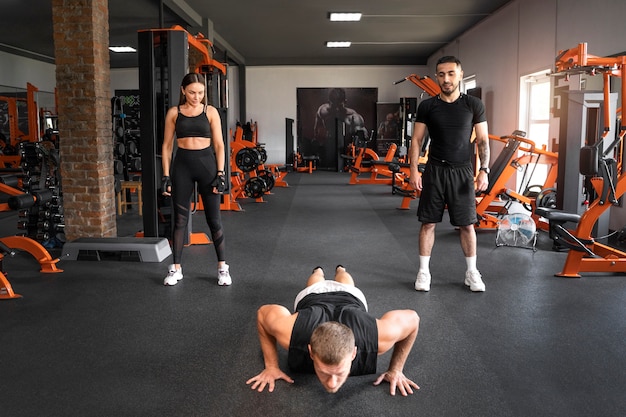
x: 397, y: 329
x: 417, y: 140
x: 168, y: 140
x: 482, y: 142
x: 320, y: 130
x: 168, y: 143
x: 274, y: 324
x: 216, y: 136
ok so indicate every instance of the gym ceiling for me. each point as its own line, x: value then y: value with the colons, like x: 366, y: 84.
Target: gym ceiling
x: 268, y: 32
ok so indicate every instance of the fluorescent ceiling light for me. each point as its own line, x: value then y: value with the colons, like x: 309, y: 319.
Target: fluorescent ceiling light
x: 345, y: 17
x: 122, y: 49
x: 340, y: 44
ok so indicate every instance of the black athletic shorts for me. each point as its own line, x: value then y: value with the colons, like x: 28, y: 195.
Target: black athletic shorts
x: 448, y: 185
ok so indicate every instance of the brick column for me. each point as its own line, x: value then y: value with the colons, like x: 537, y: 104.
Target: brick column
x: 81, y: 42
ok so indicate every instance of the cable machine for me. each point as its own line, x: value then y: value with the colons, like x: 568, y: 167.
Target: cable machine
x: 603, y: 164
x: 165, y: 57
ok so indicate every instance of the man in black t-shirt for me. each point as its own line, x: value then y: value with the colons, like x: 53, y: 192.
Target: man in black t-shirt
x: 448, y: 178
x: 332, y: 335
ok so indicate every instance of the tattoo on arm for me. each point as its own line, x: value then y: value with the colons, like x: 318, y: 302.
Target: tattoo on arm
x: 483, y: 152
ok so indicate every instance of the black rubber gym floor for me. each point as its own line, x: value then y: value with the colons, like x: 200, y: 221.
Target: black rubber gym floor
x: 108, y: 339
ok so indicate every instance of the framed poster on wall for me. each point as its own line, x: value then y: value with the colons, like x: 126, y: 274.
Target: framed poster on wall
x: 329, y: 119
x: 389, y: 126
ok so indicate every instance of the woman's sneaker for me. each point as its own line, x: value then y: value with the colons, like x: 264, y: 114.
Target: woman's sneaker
x: 223, y: 277
x: 173, y: 276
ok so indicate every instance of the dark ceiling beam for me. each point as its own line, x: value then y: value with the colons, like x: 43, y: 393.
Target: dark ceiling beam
x: 185, y: 11
x: 205, y: 26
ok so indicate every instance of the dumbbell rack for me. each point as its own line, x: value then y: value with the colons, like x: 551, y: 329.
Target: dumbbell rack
x: 40, y: 203
x: 126, y: 136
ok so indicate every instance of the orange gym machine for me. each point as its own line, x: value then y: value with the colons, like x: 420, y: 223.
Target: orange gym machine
x: 368, y: 161
x: 608, y: 177
x: 305, y: 163
x: 7, y: 247
x: 18, y: 109
x: 489, y: 206
x: 274, y: 174
x: 249, y: 178
x: 18, y: 199
x: 358, y: 156
x: 425, y: 83
x: 362, y: 160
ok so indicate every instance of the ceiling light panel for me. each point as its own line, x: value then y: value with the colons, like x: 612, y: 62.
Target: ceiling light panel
x: 338, y: 44
x: 345, y: 17
x: 122, y: 49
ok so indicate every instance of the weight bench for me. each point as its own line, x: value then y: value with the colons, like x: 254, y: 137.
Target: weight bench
x: 561, y: 238
x: 310, y: 164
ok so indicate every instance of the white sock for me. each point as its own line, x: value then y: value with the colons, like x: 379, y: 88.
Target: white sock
x: 424, y: 263
x: 471, y: 263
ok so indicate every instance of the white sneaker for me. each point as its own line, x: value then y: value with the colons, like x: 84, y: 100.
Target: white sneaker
x: 474, y: 280
x: 422, y: 283
x: 223, y: 277
x: 173, y: 276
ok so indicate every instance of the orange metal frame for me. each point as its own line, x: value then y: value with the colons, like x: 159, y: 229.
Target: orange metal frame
x: 608, y: 259
x: 425, y: 83
x: 5, y: 189
x: 485, y: 206
x: 202, y: 45
x: 238, y: 180
x: 377, y: 168
x: 304, y: 163
x: 350, y: 158
x: 279, y: 171
x: 16, y: 135
x: 47, y: 263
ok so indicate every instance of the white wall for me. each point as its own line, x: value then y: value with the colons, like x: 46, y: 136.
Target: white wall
x: 271, y: 93
x: 17, y: 71
x: 124, y: 79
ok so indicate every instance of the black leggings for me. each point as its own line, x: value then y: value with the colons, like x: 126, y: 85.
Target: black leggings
x: 190, y: 167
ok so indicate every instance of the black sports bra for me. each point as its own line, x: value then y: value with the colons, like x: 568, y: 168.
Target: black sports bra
x: 193, y: 127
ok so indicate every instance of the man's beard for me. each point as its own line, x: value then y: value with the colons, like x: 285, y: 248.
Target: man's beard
x: 449, y: 92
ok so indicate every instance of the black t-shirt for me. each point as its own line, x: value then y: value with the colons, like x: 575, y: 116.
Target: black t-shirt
x: 342, y: 307
x: 450, y: 126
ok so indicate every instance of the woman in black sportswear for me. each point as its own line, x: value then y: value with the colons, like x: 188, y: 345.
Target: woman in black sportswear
x: 200, y: 159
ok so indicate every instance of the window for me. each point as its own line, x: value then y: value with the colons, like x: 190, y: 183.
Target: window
x: 534, y: 119
x: 469, y: 83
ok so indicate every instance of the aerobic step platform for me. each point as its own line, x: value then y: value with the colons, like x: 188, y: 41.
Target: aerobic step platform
x: 138, y: 249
